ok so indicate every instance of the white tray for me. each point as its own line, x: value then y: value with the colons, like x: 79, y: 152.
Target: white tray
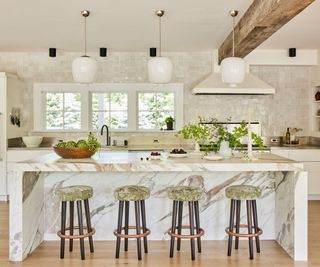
x: 172, y: 155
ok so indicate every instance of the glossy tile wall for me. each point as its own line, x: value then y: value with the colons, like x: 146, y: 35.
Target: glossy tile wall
x: 289, y: 107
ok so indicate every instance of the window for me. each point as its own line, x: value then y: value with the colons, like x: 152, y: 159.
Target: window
x: 121, y: 106
x: 153, y: 108
x: 111, y: 109
x: 63, y: 110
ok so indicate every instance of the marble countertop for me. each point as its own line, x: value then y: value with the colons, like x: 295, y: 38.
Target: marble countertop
x: 131, y: 162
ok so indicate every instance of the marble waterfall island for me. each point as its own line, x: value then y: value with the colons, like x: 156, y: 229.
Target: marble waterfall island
x: 35, y: 209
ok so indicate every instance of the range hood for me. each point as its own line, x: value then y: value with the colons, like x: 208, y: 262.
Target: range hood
x: 251, y: 85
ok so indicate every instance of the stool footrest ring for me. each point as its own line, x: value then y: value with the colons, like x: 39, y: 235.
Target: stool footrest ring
x: 115, y: 232
x: 186, y: 236
x: 244, y: 235
x: 64, y: 236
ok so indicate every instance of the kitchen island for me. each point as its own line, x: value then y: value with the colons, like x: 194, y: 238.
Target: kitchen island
x: 35, y: 209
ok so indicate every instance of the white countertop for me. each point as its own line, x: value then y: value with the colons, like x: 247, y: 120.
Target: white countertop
x: 131, y: 162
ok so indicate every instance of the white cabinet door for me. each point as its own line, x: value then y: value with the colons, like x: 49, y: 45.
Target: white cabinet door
x: 313, y: 169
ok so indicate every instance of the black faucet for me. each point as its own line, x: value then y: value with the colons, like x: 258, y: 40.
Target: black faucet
x: 108, y: 137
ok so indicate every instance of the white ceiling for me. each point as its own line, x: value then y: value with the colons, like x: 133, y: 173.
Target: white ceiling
x: 126, y: 25
x: 303, y: 31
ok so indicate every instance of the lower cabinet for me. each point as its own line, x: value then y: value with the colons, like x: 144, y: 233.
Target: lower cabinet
x: 311, y: 161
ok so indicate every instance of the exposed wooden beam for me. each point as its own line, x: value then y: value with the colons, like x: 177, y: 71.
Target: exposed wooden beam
x: 260, y: 21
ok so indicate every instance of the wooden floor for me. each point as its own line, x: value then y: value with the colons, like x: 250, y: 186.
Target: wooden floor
x: 214, y: 252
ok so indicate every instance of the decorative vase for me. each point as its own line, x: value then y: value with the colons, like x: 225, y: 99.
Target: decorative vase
x: 197, y: 147
x: 225, y: 151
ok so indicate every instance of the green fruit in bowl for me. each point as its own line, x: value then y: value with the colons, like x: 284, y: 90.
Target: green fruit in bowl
x: 82, y: 144
x: 61, y: 144
x: 71, y: 144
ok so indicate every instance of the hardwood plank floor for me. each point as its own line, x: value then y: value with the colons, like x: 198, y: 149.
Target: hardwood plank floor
x: 214, y: 252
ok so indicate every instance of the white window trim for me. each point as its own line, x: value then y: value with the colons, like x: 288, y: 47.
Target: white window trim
x: 131, y: 88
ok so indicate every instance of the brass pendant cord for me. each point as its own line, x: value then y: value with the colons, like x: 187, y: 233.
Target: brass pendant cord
x: 233, y: 19
x: 160, y: 37
x: 85, y: 36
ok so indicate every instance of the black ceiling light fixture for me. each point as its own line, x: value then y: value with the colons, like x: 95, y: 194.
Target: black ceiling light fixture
x: 292, y: 52
x: 52, y: 52
x: 153, y: 52
x: 103, y: 51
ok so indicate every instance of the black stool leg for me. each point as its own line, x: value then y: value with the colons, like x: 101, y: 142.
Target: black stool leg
x: 126, y: 224
x: 173, y: 226
x: 144, y: 225
x: 180, y: 213
x: 256, y: 225
x: 88, y: 219
x: 231, y: 225
x: 63, y: 227
x: 71, y: 203
x: 191, y: 219
x: 238, y: 212
x: 249, y: 216
x: 137, y: 211
x: 197, y: 216
x: 120, y: 215
x: 79, y: 207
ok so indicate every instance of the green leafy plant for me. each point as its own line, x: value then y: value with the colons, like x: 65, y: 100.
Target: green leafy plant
x: 210, y: 134
x: 93, y: 143
x: 169, y: 120
x: 199, y: 131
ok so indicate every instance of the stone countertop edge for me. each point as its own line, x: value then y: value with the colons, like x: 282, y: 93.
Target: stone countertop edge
x: 131, y: 162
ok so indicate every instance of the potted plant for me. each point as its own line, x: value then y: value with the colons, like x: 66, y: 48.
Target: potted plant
x: 169, y: 121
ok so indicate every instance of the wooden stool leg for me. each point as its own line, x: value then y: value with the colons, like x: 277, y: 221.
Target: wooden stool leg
x: 137, y: 211
x: 79, y: 208
x: 126, y: 224
x: 63, y: 227
x: 144, y: 225
x: 180, y: 213
x: 71, y: 204
x: 197, y: 216
x: 249, y: 216
x: 173, y: 226
x: 120, y: 215
x: 238, y: 212
x: 88, y: 219
x: 191, y: 219
x: 256, y: 225
x: 231, y: 225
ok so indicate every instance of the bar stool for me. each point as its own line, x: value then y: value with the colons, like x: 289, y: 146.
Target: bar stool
x: 71, y: 194
x: 249, y: 193
x: 138, y: 194
x: 179, y: 195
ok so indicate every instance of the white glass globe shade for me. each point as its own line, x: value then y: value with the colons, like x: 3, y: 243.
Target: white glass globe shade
x: 84, y: 69
x: 233, y: 70
x: 160, y: 70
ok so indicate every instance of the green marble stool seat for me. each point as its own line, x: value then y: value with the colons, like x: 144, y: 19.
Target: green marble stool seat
x: 75, y: 192
x: 185, y: 193
x: 131, y: 193
x: 243, y: 192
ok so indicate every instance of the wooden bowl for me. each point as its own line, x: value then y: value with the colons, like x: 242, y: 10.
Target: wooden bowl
x: 73, y: 152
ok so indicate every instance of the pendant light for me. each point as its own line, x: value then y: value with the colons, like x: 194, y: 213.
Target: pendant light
x: 160, y: 68
x: 84, y: 68
x: 233, y: 69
